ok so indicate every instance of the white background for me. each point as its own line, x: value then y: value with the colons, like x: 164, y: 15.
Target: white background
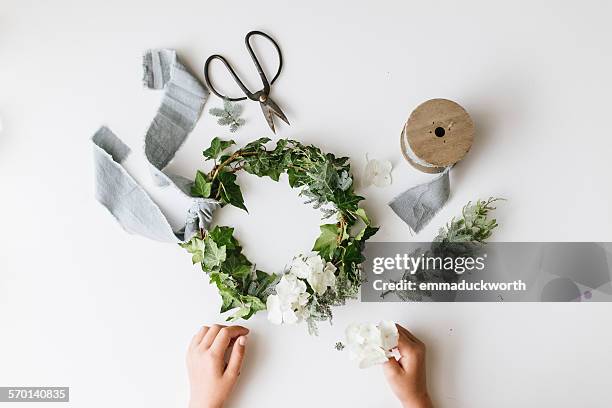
x: 86, y: 305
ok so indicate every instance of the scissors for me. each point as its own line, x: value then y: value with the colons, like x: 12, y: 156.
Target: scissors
x: 268, y: 106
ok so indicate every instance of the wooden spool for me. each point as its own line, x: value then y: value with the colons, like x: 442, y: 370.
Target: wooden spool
x: 438, y: 133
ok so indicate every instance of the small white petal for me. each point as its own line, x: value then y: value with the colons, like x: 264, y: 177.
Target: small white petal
x: 385, y: 166
x: 389, y: 334
x: 299, y: 267
x: 274, y: 309
x: 382, y: 180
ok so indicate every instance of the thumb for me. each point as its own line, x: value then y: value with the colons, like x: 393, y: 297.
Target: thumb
x: 237, y: 355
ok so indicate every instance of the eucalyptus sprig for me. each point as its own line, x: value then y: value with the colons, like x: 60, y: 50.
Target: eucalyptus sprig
x: 326, y: 182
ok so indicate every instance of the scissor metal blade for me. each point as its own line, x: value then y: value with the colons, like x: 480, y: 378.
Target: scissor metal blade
x: 268, y: 115
x: 277, y: 111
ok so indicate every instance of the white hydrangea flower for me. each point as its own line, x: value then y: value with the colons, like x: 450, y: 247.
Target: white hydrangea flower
x: 320, y: 280
x: 288, y: 304
x: 318, y: 274
x: 299, y: 267
x: 370, y: 344
x: 377, y: 172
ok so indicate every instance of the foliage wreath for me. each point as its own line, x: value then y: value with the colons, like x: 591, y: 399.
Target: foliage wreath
x: 325, y: 180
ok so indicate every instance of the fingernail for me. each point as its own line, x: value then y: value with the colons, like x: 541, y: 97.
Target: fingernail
x: 242, y: 340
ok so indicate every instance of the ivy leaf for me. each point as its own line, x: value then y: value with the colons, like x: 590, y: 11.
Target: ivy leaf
x: 257, y: 144
x: 362, y: 214
x: 201, y: 187
x: 352, y: 254
x: 196, y: 247
x: 224, y: 236
x: 238, y: 267
x: 327, y: 242
x: 230, y: 191
x: 214, y: 255
x: 228, y: 294
x: 217, y: 146
x: 346, y: 200
x: 366, y: 233
x: 264, y: 283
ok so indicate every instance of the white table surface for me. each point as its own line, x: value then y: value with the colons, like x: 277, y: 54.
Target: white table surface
x: 83, y: 304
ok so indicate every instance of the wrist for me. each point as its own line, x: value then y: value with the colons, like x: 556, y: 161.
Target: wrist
x: 197, y: 404
x: 418, y: 401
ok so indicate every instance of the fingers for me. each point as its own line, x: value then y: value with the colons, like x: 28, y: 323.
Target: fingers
x: 225, y: 336
x: 235, y: 361
x: 210, y: 336
x: 197, y: 338
x: 392, y: 367
x: 410, y: 347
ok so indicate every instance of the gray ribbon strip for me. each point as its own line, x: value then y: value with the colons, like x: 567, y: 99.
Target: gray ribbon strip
x: 181, y: 106
x: 418, y: 205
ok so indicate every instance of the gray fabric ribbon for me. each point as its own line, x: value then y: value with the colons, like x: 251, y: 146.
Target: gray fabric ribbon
x: 418, y: 205
x: 181, y: 107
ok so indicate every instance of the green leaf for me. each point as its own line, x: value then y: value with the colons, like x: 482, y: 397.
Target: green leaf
x: 257, y: 144
x: 264, y: 282
x: 362, y: 214
x: 352, y: 253
x: 241, y: 313
x: 366, y: 233
x: 224, y: 236
x: 327, y: 242
x: 214, y: 255
x: 238, y: 267
x: 201, y: 187
x: 346, y: 200
x: 230, y: 191
x: 217, y: 146
x: 196, y: 247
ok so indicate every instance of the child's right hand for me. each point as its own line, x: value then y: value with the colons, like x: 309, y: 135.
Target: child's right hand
x: 406, y: 376
x: 212, y: 378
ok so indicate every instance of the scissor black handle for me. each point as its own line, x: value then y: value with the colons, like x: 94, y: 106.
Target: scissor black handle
x: 262, y: 75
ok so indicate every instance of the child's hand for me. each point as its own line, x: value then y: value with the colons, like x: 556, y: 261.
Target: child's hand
x: 211, y: 379
x: 406, y: 376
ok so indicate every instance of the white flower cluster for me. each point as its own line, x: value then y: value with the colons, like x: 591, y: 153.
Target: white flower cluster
x: 370, y: 344
x: 288, y: 305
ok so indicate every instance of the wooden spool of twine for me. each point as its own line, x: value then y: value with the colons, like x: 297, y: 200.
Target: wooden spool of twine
x: 437, y: 135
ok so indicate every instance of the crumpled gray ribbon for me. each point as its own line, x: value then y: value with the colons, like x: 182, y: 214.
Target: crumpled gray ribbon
x: 418, y: 205
x: 181, y: 106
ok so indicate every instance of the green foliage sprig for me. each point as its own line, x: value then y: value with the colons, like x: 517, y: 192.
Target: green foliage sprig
x: 324, y: 179
x: 460, y: 237
x: 473, y: 226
